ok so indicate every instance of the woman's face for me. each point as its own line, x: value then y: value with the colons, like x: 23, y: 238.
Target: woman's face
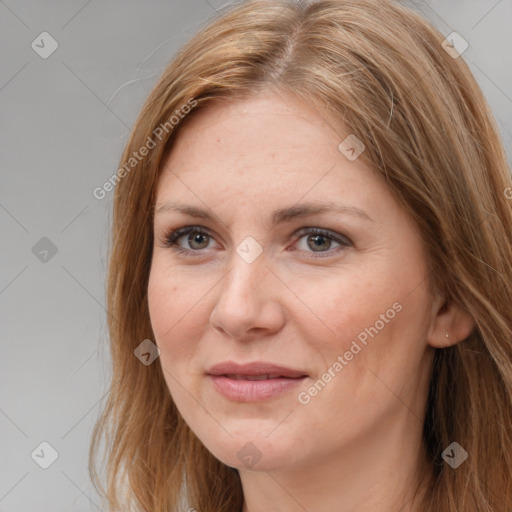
x: 338, y: 298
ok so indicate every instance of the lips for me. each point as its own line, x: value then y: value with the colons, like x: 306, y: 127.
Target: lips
x: 265, y: 376
x: 252, y: 382
x: 254, y: 371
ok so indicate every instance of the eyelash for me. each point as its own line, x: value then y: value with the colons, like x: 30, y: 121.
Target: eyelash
x: 172, y: 236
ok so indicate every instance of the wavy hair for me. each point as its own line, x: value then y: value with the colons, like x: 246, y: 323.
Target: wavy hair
x: 381, y: 70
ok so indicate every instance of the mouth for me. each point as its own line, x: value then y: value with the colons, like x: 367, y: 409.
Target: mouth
x: 253, y: 381
x: 264, y: 376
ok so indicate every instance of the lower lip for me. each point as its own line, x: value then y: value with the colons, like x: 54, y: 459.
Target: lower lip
x: 253, y: 390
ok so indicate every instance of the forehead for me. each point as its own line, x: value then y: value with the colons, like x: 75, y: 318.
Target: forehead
x: 268, y: 137
x: 262, y: 154
x: 265, y: 123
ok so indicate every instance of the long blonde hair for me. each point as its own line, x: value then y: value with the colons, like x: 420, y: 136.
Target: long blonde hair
x: 380, y: 69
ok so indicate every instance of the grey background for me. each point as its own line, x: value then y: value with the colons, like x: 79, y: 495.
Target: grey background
x: 64, y: 121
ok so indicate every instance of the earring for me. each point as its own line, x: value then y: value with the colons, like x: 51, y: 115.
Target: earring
x: 446, y: 335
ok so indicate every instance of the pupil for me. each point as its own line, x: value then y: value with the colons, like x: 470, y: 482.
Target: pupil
x: 197, y: 239
x: 317, y: 240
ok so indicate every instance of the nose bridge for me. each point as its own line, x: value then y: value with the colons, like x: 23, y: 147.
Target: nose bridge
x: 246, y: 301
x: 246, y: 280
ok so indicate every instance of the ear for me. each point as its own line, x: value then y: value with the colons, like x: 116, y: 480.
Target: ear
x: 451, y: 324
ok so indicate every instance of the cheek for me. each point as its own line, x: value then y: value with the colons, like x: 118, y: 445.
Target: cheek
x: 345, y: 306
x: 373, y: 317
x: 171, y: 311
x: 172, y: 318
x: 161, y: 302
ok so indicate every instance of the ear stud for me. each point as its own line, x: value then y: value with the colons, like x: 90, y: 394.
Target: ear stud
x: 446, y: 335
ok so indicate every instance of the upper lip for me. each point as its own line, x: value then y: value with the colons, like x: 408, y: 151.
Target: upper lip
x: 255, y: 368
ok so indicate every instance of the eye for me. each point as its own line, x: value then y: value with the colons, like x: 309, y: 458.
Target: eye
x: 319, y: 240
x: 194, y: 240
x: 197, y: 240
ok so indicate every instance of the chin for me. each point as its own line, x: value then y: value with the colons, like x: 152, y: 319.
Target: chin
x: 250, y: 450
x: 252, y: 456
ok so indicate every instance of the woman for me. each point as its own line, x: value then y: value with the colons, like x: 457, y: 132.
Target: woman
x: 310, y: 279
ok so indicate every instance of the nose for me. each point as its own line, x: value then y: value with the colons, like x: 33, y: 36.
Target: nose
x: 249, y: 301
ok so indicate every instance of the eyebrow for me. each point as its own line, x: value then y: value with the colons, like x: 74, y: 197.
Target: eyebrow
x: 279, y: 216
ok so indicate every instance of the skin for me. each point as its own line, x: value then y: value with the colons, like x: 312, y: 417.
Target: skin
x: 356, y: 445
